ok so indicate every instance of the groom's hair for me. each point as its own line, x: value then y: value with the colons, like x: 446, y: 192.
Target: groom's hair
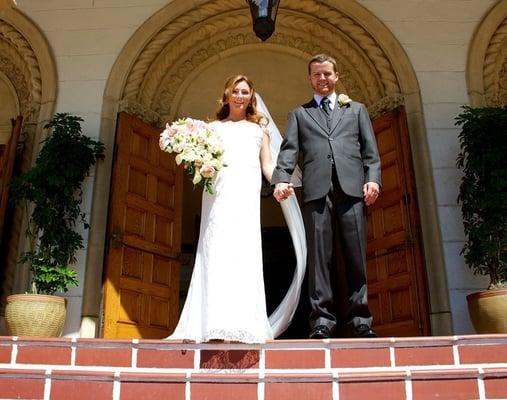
x: 321, y: 58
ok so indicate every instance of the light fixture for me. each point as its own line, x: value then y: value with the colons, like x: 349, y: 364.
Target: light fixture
x: 263, y: 17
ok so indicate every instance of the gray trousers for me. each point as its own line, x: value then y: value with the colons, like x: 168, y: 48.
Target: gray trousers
x: 342, y: 217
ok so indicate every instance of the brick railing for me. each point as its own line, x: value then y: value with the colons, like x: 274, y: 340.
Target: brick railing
x: 465, y: 367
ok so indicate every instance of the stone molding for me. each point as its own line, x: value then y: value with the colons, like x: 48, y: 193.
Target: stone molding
x: 385, y: 104
x: 140, y: 111
x: 19, y: 63
x: 495, y: 68
x: 487, y: 59
x: 16, y: 76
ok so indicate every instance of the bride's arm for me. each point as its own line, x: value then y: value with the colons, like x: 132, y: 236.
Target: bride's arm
x: 267, y: 164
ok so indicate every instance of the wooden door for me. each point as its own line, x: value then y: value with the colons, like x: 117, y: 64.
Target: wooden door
x: 396, y: 276
x: 144, y: 236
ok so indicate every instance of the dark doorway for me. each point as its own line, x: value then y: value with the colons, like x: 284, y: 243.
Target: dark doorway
x: 279, y: 265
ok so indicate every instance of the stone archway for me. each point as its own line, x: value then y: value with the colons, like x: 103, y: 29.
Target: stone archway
x: 27, y: 67
x: 487, y: 59
x: 150, y: 76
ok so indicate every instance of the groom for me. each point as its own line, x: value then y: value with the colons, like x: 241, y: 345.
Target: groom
x: 341, y: 174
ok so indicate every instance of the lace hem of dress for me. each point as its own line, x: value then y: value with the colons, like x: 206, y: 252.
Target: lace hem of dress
x: 233, y: 336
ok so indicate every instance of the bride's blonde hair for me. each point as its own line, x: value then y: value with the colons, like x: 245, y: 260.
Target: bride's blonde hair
x: 252, y: 114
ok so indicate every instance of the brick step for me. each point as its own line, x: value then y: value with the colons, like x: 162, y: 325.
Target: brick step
x: 464, y: 367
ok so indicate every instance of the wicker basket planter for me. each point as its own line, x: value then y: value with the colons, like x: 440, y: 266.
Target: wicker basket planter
x: 35, y: 315
x: 488, y: 310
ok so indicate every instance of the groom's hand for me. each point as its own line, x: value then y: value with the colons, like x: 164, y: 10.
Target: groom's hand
x: 282, y: 191
x: 371, y: 191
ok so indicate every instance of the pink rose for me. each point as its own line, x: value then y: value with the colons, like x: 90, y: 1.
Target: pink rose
x: 170, y: 130
x: 207, y: 171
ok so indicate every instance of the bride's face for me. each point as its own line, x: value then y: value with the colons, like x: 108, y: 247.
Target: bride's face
x: 240, y: 97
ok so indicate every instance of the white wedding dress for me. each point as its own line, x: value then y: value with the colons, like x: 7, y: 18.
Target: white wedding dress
x: 226, y: 298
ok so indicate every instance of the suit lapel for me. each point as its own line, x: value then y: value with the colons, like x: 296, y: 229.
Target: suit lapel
x: 337, y: 116
x: 316, y: 114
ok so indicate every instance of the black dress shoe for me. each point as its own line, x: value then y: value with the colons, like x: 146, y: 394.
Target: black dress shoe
x: 320, y: 332
x: 364, y: 331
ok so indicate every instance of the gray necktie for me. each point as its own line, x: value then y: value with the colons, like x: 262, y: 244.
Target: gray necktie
x: 325, y: 103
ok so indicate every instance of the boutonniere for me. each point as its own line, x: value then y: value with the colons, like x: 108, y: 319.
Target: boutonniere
x: 343, y: 99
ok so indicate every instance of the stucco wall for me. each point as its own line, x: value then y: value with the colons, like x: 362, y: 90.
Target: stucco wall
x: 87, y: 35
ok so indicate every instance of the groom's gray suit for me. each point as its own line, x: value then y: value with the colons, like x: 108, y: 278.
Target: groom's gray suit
x: 338, y: 155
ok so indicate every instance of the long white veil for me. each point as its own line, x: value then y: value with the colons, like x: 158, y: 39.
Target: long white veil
x: 280, y: 318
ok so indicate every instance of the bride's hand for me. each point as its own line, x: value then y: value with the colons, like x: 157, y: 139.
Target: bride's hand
x: 283, y: 191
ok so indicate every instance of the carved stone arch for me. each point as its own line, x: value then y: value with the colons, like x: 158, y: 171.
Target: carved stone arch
x: 487, y: 59
x: 24, y: 76
x: 156, y: 63
x: 12, y: 91
x: 10, y: 107
x: 358, y: 74
x: 26, y: 61
x: 12, y: 72
x: 366, y: 72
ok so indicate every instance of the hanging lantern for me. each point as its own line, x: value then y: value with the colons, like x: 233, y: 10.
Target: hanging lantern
x: 263, y: 17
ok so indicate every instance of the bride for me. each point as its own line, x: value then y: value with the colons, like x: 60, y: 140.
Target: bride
x: 226, y: 299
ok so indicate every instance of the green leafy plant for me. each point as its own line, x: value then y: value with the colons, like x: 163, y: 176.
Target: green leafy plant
x: 483, y: 190
x: 52, y: 194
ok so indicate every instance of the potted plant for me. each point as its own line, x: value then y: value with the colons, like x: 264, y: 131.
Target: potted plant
x: 483, y: 198
x: 51, y: 194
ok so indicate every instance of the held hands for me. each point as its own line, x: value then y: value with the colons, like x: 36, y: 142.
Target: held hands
x: 371, y: 192
x: 283, y: 191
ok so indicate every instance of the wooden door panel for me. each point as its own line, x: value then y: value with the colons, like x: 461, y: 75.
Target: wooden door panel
x: 396, y: 284
x: 144, y: 230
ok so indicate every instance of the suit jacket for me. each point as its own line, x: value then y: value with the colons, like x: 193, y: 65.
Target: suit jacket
x: 350, y: 142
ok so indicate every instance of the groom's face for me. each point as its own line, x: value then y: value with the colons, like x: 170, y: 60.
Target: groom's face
x: 323, y: 78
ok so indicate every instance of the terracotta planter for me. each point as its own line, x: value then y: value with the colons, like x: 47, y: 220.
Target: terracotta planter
x: 488, y: 310
x: 35, y: 315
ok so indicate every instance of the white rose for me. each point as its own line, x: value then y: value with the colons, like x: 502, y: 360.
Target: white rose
x: 343, y: 99
x: 179, y: 159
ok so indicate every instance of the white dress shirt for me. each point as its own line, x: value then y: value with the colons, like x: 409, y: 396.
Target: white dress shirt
x: 332, y: 100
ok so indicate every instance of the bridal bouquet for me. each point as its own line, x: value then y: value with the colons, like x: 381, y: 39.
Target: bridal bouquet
x: 198, y: 148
